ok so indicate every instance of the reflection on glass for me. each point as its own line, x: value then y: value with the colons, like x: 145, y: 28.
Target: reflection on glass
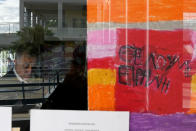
x: 45, y: 59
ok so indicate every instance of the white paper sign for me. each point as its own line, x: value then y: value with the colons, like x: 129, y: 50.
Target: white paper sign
x: 50, y: 120
x: 5, y: 119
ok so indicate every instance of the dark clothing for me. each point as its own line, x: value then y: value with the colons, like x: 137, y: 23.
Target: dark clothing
x: 24, y: 125
x: 10, y: 74
x: 70, y: 95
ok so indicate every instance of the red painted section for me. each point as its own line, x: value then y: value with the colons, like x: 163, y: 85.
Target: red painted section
x: 167, y: 60
x: 167, y: 43
x: 129, y: 97
x: 106, y: 63
x: 171, y: 60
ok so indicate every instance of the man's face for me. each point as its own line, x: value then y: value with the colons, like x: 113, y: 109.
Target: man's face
x: 24, y: 64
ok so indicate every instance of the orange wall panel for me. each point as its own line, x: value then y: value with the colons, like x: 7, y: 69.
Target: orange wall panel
x: 101, y: 97
x: 159, y: 10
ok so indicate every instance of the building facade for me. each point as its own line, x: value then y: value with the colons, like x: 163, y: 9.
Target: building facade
x: 66, y: 19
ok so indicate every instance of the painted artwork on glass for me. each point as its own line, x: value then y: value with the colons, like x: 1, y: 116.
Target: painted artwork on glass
x: 142, y: 58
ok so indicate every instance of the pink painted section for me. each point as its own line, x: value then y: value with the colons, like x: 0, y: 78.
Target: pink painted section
x: 189, y: 38
x: 102, y: 37
x: 194, y: 45
x: 101, y: 44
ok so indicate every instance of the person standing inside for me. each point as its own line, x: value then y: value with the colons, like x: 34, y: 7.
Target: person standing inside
x: 10, y: 64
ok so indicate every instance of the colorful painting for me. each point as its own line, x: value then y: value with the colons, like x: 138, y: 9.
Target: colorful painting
x: 117, y: 78
x: 143, y: 61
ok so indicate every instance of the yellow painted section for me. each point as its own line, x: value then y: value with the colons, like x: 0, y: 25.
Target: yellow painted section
x: 193, y: 83
x: 193, y: 95
x: 101, y: 77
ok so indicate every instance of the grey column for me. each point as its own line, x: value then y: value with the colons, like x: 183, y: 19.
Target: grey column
x: 60, y: 15
x: 38, y: 19
x: 21, y: 14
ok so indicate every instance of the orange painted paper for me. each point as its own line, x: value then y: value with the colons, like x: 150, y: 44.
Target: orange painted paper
x: 159, y: 10
x: 101, y: 84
